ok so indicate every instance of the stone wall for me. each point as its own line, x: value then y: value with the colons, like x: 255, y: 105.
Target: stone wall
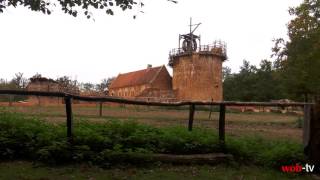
x: 128, y: 92
x: 45, y: 86
x: 198, y: 77
x: 158, y: 88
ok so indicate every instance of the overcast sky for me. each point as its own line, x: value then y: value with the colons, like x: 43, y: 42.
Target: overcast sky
x: 90, y: 50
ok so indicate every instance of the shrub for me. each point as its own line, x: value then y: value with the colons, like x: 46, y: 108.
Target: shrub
x: 116, y: 141
x: 265, y: 152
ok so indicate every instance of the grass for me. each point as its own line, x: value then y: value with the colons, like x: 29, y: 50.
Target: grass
x: 267, y: 125
x: 30, y: 171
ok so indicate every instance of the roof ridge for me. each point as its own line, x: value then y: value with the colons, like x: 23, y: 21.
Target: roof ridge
x: 140, y: 70
x: 143, y: 76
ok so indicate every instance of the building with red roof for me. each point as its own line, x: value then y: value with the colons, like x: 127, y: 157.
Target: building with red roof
x: 152, y: 82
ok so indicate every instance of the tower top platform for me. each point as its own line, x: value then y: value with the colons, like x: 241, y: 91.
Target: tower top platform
x: 217, y: 48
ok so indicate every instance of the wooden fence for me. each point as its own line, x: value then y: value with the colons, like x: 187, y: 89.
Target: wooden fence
x: 192, y: 108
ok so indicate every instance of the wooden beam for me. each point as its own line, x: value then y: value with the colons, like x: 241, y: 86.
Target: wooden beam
x: 222, y: 124
x: 191, y: 116
x: 10, y: 100
x: 313, y: 150
x: 100, y: 109
x: 68, y: 102
x: 150, y: 103
x: 306, y: 126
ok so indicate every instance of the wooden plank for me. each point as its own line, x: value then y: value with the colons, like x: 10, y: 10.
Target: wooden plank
x: 150, y: 103
x: 10, y: 100
x: 100, y: 109
x: 68, y: 102
x: 314, y: 143
x: 33, y: 93
x: 191, y: 116
x: 212, y: 158
x: 222, y: 124
x: 306, y: 125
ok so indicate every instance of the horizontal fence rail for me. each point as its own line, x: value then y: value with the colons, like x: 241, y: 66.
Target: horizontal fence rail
x: 192, y: 107
x: 150, y: 103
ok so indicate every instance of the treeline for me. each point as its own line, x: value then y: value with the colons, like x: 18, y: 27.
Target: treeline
x: 252, y: 83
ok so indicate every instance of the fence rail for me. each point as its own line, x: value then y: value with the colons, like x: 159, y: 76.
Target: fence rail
x: 150, y: 103
x: 192, y: 107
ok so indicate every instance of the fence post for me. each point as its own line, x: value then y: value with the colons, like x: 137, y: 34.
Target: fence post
x: 68, y: 101
x: 311, y: 132
x: 100, y: 109
x: 222, y: 124
x: 306, y: 126
x: 191, y: 115
x: 10, y: 100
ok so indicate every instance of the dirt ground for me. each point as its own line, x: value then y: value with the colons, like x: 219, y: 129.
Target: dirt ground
x: 266, y: 124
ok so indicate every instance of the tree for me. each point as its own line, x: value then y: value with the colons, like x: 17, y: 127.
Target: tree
x: 253, y: 83
x: 298, y: 58
x: 66, y: 84
x: 240, y: 86
x: 20, y: 81
x: 73, y: 7
x: 88, y: 86
x: 104, y: 85
x: 226, y: 72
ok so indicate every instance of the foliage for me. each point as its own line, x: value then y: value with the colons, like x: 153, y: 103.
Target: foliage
x: 298, y: 58
x: 253, y: 84
x: 117, y: 142
x: 18, y: 82
x: 272, y: 153
x: 73, y: 7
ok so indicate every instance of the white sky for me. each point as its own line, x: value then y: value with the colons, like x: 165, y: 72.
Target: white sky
x: 89, y: 51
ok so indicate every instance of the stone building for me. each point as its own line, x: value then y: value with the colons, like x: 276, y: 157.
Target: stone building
x: 45, y: 85
x: 152, y: 82
x: 197, y: 68
x: 49, y: 85
x: 197, y: 74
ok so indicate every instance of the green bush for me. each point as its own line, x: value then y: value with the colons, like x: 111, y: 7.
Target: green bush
x: 116, y: 141
x: 257, y: 150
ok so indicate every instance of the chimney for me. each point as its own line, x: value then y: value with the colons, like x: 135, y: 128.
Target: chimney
x: 149, y: 66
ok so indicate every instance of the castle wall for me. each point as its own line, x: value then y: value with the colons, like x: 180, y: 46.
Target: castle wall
x: 128, y: 92
x: 198, y: 77
x: 159, y: 87
x: 45, y: 87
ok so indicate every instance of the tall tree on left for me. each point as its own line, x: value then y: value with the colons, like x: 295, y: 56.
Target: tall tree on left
x: 73, y: 7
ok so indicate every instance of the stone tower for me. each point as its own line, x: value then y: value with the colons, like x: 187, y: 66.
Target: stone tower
x: 197, y: 70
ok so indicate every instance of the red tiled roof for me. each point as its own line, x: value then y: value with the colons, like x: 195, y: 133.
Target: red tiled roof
x: 140, y: 77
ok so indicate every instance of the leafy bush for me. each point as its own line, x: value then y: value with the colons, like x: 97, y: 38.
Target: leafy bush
x: 257, y: 150
x: 116, y: 141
